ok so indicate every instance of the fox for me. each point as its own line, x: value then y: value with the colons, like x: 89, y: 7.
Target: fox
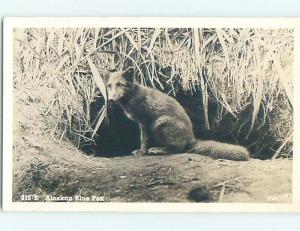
x: 164, y: 125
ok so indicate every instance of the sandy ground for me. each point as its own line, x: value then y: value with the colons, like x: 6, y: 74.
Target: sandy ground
x: 45, y: 166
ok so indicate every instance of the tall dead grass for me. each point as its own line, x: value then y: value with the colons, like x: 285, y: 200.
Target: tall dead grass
x: 238, y: 68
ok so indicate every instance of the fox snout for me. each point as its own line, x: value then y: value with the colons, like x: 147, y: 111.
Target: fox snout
x: 113, y: 96
x: 112, y: 100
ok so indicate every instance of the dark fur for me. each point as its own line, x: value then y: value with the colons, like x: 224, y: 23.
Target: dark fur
x: 163, y: 121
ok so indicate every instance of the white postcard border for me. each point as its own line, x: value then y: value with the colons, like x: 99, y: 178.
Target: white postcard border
x: 19, y: 22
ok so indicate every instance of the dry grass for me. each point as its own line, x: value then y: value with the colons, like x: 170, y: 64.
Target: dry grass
x: 237, y: 68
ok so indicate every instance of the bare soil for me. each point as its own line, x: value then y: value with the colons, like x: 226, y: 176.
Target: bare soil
x: 44, y: 165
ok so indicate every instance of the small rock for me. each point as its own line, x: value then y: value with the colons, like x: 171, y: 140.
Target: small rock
x: 199, y: 194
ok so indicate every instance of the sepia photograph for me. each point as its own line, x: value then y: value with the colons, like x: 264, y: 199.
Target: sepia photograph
x: 150, y: 114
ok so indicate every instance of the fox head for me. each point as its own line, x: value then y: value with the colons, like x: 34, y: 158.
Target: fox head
x: 119, y: 84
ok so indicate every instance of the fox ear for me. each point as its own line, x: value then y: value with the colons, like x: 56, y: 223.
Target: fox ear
x: 105, y: 76
x: 128, y: 74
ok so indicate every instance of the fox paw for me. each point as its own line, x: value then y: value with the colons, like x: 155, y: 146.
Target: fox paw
x: 139, y: 152
x: 158, y: 150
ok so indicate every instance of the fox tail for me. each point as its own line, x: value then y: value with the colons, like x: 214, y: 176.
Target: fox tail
x: 218, y: 150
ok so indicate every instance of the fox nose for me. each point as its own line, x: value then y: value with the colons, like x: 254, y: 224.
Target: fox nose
x: 112, y: 98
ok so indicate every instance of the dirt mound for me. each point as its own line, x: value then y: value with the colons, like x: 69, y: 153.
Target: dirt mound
x: 46, y: 166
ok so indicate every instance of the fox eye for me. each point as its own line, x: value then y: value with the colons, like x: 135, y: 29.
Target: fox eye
x: 120, y: 85
x: 109, y: 85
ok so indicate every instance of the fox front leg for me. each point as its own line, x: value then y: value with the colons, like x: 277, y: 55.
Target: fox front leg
x: 144, y: 141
